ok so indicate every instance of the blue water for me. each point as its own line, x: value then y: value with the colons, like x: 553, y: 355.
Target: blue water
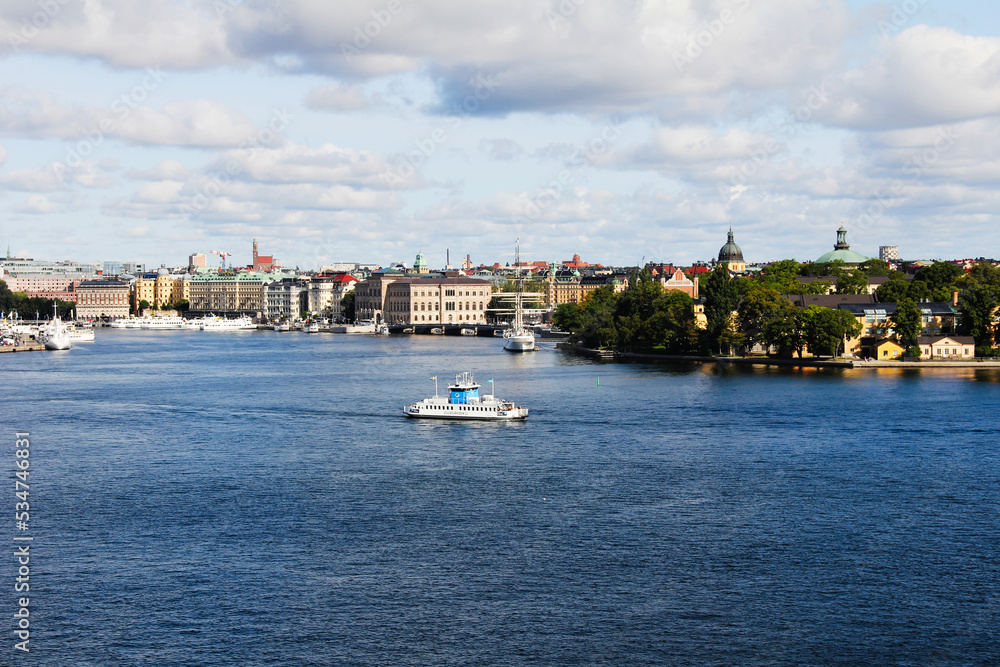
x: 258, y: 499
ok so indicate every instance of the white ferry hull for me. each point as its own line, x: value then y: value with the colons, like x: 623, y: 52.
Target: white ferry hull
x: 464, y: 403
x: 515, y: 414
x: 519, y: 344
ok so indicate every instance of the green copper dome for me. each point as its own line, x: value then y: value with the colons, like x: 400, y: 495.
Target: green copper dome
x: 842, y: 251
x: 730, y: 252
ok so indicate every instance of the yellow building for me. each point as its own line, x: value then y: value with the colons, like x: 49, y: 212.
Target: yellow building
x: 570, y: 287
x: 888, y: 349
x: 160, y: 288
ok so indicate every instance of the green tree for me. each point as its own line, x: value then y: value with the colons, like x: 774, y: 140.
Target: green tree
x: 907, y: 320
x: 983, y: 273
x: 940, y: 278
x: 721, y: 299
x: 894, y: 289
x: 759, y: 317
x: 977, y: 305
x: 855, y: 282
x: 874, y: 267
x: 568, y: 316
x: 143, y: 304
x: 824, y: 329
x: 347, y: 307
x: 835, y: 268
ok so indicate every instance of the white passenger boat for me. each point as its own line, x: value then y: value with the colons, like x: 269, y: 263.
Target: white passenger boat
x: 162, y: 322
x: 222, y: 324
x: 125, y: 323
x: 284, y: 326
x: 464, y: 402
x: 79, y: 335
x: 311, y: 327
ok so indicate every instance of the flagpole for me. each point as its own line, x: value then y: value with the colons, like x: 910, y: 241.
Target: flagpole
x: 435, y: 378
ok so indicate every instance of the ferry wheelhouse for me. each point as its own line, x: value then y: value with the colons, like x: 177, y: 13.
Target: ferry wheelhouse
x: 464, y: 402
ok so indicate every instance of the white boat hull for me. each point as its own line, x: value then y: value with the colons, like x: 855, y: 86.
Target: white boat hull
x: 519, y: 343
x: 517, y: 414
x: 58, y: 342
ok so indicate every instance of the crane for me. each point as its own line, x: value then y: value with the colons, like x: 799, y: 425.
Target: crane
x: 221, y: 253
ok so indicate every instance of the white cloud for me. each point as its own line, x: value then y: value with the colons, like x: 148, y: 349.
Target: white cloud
x: 54, y: 178
x: 35, y: 204
x: 923, y: 76
x: 169, y: 170
x: 294, y: 163
x: 197, y: 123
x: 337, y: 97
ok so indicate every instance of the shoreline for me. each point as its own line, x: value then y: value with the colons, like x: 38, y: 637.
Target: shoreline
x: 608, y: 355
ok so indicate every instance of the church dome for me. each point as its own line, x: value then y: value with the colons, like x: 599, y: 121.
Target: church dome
x: 842, y: 251
x: 730, y: 252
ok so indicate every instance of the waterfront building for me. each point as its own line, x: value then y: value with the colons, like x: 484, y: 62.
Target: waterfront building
x: 937, y: 318
x: 103, y: 298
x: 947, y: 347
x: 327, y: 292
x: 286, y: 299
x: 394, y: 298
x: 842, y: 251
x: 231, y: 292
x: 161, y: 288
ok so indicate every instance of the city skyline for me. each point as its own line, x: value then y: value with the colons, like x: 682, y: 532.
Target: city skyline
x: 620, y: 132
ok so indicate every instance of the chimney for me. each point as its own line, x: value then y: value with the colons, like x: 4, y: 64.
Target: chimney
x: 954, y: 299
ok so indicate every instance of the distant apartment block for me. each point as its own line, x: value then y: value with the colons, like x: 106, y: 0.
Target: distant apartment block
x: 888, y: 253
x: 199, y: 259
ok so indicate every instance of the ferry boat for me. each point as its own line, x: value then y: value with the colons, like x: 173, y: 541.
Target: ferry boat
x: 222, y: 324
x: 80, y: 335
x: 464, y: 402
x: 283, y: 326
x: 162, y: 322
x: 311, y: 327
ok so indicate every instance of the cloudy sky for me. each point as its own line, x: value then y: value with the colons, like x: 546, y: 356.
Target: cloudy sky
x: 618, y: 129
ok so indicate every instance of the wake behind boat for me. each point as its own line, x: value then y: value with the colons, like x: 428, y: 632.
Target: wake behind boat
x: 464, y: 402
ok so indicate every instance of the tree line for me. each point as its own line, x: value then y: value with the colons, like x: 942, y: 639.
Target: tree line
x: 743, y: 312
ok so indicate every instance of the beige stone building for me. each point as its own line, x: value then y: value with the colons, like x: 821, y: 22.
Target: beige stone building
x: 396, y: 299
x: 231, y: 292
x: 327, y: 292
x: 103, y: 298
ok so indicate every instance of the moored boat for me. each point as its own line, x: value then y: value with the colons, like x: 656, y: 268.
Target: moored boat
x: 463, y: 402
x: 223, y: 324
x: 55, y: 335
